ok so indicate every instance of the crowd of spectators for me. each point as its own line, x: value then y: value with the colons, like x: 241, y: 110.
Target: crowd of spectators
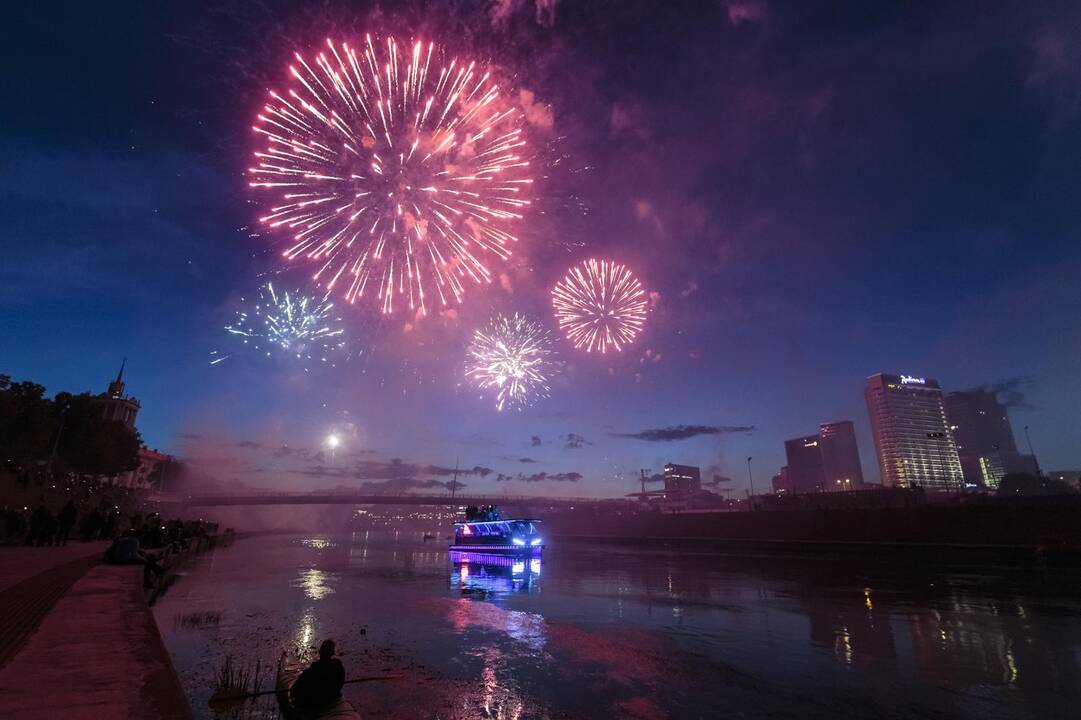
x: 73, y: 509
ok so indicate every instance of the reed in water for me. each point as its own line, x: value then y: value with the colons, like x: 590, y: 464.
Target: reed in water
x: 236, y: 683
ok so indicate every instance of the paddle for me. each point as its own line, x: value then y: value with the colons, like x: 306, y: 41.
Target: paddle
x: 231, y: 695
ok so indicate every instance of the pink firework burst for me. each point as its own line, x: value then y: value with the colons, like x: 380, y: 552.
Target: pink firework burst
x: 600, y: 306
x: 398, y: 172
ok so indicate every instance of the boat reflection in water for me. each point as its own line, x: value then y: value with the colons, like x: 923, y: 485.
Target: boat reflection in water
x: 483, y: 575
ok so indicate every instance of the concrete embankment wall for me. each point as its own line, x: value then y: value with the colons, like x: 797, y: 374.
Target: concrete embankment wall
x: 995, y: 524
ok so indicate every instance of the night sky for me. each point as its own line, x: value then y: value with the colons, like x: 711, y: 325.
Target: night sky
x: 815, y: 192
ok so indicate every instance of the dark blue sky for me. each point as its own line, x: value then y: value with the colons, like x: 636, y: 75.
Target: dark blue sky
x: 816, y: 191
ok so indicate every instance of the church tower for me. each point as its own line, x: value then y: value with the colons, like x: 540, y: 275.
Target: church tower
x: 115, y: 404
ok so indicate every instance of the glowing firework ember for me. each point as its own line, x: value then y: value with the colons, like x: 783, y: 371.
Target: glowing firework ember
x: 600, y: 306
x: 292, y: 324
x: 398, y: 173
x: 514, y: 357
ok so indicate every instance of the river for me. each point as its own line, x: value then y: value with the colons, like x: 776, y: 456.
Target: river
x: 601, y: 630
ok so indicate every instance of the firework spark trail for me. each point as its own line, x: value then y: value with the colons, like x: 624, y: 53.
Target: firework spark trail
x: 600, y: 306
x: 513, y: 356
x: 397, y: 173
x: 294, y: 324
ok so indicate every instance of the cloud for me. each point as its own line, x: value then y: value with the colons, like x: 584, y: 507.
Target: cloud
x: 750, y: 12
x: 683, y: 432
x: 479, y: 440
x: 1056, y: 70
x: 717, y: 481
x: 395, y: 469
x: 535, y: 441
x: 285, y: 451
x: 1011, y: 392
x: 645, y: 211
x: 536, y: 114
x: 502, y: 12
x: 573, y: 441
x: 541, y: 477
x: 628, y: 119
x: 519, y: 459
x: 249, y: 444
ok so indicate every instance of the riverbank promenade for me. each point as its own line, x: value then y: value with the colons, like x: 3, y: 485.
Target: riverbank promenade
x: 77, y: 639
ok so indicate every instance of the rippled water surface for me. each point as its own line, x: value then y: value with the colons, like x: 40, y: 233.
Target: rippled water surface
x: 613, y: 631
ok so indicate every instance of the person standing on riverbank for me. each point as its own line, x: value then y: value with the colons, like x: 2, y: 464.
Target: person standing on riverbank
x: 68, y: 515
x: 37, y: 524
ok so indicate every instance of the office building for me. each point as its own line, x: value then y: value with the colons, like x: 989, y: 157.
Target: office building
x: 682, y: 479
x: 840, y: 456
x: 780, y: 482
x: 985, y: 443
x: 682, y: 490
x: 980, y: 421
x: 804, y: 455
x: 912, y: 434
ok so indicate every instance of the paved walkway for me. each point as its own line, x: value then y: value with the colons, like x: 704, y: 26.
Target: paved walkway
x: 97, y: 655
x: 32, y: 580
x: 18, y: 563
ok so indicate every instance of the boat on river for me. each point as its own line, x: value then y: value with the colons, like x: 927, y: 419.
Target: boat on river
x: 484, y: 530
x: 340, y: 709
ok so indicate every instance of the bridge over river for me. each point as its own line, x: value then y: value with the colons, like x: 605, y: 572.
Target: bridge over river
x: 356, y: 498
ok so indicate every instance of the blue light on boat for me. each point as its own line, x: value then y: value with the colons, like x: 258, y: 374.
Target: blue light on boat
x: 518, y: 541
x: 535, y: 541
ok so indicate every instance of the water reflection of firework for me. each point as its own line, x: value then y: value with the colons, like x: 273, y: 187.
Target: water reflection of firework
x: 512, y: 356
x: 600, y: 306
x: 290, y: 324
x: 398, y: 170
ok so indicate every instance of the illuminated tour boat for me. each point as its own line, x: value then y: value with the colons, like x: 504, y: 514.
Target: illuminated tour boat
x: 485, y: 531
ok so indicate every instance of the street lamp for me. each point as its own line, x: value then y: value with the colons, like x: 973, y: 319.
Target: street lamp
x: 750, y: 479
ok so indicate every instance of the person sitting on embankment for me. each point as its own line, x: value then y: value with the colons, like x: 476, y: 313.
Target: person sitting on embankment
x: 125, y: 551
x: 321, y: 683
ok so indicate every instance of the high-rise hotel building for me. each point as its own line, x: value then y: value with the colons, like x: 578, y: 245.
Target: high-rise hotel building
x: 840, y: 456
x: 911, y: 432
x: 984, y: 439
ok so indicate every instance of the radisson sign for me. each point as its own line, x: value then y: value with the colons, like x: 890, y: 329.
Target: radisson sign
x: 910, y: 380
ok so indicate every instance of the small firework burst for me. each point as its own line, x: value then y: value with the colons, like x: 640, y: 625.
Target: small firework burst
x: 600, y: 306
x: 290, y: 324
x: 397, y: 170
x: 514, y: 357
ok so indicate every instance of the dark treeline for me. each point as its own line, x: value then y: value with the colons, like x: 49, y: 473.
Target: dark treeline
x: 62, y: 435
